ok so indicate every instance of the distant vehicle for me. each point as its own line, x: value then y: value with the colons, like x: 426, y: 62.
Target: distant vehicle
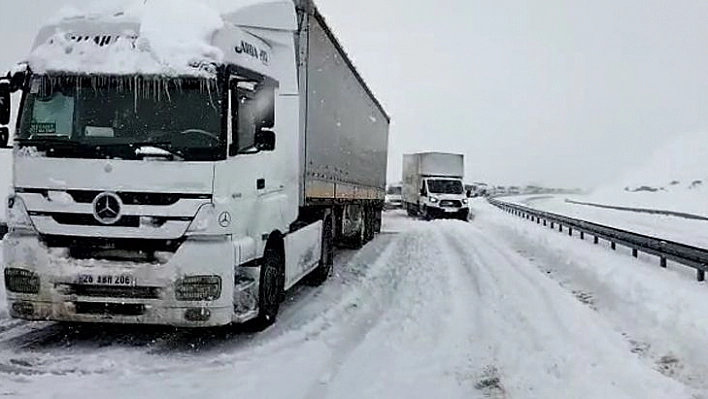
x: 432, y: 185
x: 394, y: 197
x: 190, y: 189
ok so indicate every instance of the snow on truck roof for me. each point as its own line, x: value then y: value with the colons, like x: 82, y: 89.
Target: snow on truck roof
x: 161, y: 37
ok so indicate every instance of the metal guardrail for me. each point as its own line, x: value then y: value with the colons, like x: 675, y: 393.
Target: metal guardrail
x: 687, y: 255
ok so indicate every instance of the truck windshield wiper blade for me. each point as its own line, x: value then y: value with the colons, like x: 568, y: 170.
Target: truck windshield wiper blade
x: 151, y: 150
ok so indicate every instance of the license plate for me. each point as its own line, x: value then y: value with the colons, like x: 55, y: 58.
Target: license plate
x: 106, y: 279
x: 450, y: 209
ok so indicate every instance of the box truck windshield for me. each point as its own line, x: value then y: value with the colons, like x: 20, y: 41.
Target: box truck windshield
x: 436, y: 186
x: 72, y: 116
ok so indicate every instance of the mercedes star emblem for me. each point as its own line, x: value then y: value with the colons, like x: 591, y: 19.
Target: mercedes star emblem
x: 107, y: 208
x: 224, y: 219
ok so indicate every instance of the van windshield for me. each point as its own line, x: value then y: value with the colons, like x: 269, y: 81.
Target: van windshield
x: 113, y: 117
x: 438, y: 186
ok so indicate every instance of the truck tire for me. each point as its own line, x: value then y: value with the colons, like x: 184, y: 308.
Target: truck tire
x: 370, y: 225
x: 270, y: 288
x: 464, y: 215
x: 410, y: 211
x: 324, y: 269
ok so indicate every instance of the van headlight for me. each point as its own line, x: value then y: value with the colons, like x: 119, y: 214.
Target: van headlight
x: 433, y: 200
x: 464, y: 201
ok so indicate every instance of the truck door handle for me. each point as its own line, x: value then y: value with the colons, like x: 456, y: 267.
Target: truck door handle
x: 260, y: 184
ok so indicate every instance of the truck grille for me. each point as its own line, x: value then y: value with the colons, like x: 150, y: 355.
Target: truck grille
x: 128, y: 244
x: 128, y: 198
x: 102, y: 291
x: 80, y: 219
x: 451, y: 203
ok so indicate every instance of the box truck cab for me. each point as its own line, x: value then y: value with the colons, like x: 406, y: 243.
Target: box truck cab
x: 172, y: 167
x: 433, y: 186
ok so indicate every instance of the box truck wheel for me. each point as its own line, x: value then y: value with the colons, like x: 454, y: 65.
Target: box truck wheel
x: 410, y: 211
x: 272, y: 281
x: 322, y: 272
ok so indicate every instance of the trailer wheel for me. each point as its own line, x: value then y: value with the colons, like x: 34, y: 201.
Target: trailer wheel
x: 370, y: 223
x: 323, y: 271
x: 270, y: 289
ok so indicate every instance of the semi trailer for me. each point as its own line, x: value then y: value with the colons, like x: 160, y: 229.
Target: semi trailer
x: 432, y: 185
x: 180, y: 165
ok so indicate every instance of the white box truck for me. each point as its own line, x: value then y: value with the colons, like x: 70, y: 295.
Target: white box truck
x: 432, y: 185
x: 187, y: 167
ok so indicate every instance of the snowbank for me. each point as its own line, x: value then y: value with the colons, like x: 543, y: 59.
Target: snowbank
x: 660, y: 311
x: 674, y: 178
x: 166, y: 37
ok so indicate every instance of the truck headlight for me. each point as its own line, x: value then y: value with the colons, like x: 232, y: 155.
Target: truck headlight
x: 17, y: 215
x: 433, y: 200
x: 21, y: 281
x: 198, y: 288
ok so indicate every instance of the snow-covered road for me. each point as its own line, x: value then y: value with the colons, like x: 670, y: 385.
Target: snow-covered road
x: 428, y: 309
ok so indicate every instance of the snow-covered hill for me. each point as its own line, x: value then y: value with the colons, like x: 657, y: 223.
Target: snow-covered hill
x: 674, y: 177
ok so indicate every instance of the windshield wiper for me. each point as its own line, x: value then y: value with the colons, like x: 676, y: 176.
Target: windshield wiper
x: 151, y: 150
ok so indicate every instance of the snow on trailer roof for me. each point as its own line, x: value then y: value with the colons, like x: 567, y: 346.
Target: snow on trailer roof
x: 160, y: 37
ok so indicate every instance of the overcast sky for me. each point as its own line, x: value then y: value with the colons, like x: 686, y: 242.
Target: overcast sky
x: 547, y: 91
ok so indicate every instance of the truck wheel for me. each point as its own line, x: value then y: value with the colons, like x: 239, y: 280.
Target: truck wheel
x: 409, y: 210
x: 370, y: 218
x: 270, y: 289
x: 324, y: 269
x: 426, y: 214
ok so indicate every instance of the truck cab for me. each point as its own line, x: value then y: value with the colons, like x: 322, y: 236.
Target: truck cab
x: 442, y: 197
x: 159, y: 174
x: 433, y: 185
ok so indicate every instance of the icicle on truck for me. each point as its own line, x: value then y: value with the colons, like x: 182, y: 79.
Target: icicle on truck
x: 187, y: 186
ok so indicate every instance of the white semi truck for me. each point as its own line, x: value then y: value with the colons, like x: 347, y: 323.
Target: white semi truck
x: 432, y: 185
x: 183, y: 175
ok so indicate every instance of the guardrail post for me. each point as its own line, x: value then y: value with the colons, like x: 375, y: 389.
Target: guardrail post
x: 538, y: 220
x: 635, y: 252
x: 613, y: 246
x: 597, y: 240
x: 701, y: 275
x: 582, y: 235
x: 544, y: 222
x: 570, y: 231
x: 560, y: 227
x: 663, y: 261
x: 553, y: 225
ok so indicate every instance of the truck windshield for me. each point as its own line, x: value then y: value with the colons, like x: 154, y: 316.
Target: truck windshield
x: 394, y: 190
x: 445, y: 186
x: 118, y: 117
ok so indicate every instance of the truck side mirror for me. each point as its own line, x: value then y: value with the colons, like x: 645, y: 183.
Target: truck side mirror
x: 4, y: 102
x: 265, y: 140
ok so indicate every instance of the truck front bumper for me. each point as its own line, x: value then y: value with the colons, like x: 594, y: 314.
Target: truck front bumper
x: 448, y: 213
x: 168, y: 292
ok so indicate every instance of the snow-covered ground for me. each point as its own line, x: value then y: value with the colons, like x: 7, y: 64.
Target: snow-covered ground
x: 687, y: 231
x: 439, y: 309
x: 677, y: 170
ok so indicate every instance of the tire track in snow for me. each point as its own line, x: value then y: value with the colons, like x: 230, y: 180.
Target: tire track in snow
x: 543, y: 340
